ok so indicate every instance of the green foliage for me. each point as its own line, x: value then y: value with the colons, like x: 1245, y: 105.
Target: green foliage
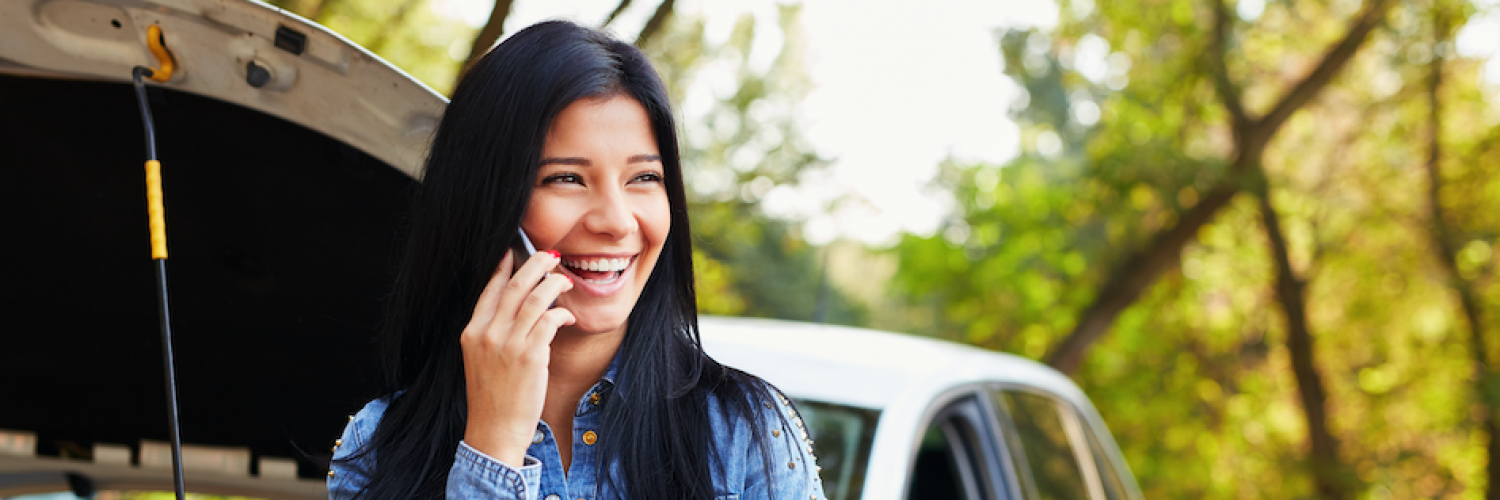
x: 1194, y: 378
x: 407, y: 33
x: 747, y: 144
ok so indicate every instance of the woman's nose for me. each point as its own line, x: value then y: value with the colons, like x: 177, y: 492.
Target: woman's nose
x: 611, y: 214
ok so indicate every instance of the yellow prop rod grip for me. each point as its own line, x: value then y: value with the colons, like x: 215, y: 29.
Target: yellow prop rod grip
x: 159, y: 49
x: 156, y: 210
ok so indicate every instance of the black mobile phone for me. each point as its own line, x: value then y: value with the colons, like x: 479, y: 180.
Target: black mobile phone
x: 524, y: 250
x: 523, y: 247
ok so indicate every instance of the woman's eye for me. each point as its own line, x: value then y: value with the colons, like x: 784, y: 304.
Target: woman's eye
x: 562, y: 178
x: 647, y: 177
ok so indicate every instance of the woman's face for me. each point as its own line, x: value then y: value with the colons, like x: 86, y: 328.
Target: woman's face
x: 601, y: 201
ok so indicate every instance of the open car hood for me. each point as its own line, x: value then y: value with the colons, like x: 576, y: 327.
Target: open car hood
x: 282, y: 208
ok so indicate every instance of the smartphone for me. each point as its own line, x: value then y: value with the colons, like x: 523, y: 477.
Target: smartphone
x: 524, y: 250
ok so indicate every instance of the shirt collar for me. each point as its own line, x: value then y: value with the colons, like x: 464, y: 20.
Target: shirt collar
x: 613, y: 370
x: 601, y: 391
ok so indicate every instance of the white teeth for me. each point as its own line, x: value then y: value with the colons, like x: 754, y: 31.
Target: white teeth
x: 600, y: 265
x: 604, y: 281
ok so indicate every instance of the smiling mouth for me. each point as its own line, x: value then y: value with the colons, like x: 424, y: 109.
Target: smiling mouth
x: 599, y: 271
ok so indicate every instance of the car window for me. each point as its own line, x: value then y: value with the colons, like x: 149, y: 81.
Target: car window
x: 1114, y: 488
x: 935, y: 475
x: 1045, y: 449
x: 955, y: 459
x: 842, y: 437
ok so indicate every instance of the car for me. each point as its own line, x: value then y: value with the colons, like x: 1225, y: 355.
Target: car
x: 288, y: 153
x: 895, y: 416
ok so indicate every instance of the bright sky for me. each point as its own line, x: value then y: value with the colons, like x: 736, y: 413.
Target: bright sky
x: 898, y: 89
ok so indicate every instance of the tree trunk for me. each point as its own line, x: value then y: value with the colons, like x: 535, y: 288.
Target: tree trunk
x: 624, y: 4
x: 1327, y: 471
x: 487, y: 36
x: 1161, y: 253
x: 658, y: 19
x: 1444, y: 245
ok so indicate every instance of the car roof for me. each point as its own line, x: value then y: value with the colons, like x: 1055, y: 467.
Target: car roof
x: 907, y: 378
x: 866, y: 368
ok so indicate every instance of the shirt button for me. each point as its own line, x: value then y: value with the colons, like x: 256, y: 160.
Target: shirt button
x: 589, y: 438
x: 536, y: 438
x: 553, y: 497
x: 593, y: 399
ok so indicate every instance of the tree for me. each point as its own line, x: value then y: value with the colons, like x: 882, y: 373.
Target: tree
x: 1466, y: 283
x: 488, y: 35
x: 1142, y: 125
x: 494, y: 28
x: 1252, y: 134
x: 744, y: 146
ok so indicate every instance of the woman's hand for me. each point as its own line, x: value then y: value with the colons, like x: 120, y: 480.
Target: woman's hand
x: 507, y: 346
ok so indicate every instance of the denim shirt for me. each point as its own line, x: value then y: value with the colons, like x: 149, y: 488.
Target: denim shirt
x: 474, y: 475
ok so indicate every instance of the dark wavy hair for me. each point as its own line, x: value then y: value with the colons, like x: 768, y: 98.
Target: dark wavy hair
x: 476, y: 185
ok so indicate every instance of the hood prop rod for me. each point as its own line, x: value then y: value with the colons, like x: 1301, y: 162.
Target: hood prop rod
x: 156, y: 211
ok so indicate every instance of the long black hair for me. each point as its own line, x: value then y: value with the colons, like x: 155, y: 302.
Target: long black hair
x: 475, y: 188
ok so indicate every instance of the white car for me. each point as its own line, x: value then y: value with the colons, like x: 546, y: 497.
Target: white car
x: 900, y: 417
x: 287, y: 152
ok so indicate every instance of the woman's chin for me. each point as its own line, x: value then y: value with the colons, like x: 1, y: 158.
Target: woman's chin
x: 597, y: 324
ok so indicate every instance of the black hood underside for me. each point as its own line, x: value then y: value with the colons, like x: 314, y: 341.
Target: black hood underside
x: 281, y: 242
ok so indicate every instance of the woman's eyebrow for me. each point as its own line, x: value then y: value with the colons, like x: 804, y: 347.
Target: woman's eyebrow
x: 581, y: 162
x: 584, y: 162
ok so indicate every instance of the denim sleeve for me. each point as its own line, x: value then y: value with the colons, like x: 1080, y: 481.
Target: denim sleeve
x: 788, y: 452
x: 348, y: 472
x: 473, y: 475
x: 476, y: 475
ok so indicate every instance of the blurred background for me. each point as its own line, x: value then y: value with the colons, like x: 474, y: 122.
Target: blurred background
x: 1260, y: 234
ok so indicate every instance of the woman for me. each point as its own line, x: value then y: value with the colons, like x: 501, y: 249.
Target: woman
x: 575, y: 373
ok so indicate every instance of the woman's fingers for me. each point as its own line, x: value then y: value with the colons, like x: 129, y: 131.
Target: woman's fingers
x: 547, y: 326
x: 510, y: 306
x: 524, y: 281
x: 484, y: 308
x: 535, y: 306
